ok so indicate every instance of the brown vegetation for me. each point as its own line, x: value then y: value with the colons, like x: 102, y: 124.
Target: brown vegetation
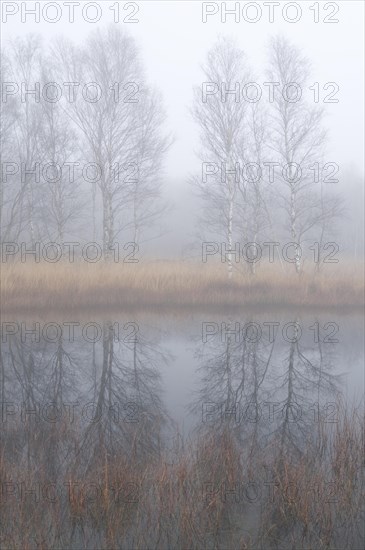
x: 165, y: 285
x: 183, y: 498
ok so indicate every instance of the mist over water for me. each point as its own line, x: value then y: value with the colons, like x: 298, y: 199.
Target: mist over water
x: 182, y: 288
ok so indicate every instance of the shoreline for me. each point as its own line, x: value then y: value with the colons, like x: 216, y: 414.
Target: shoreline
x: 174, y: 286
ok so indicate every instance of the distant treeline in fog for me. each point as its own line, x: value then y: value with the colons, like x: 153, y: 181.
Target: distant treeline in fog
x: 84, y: 144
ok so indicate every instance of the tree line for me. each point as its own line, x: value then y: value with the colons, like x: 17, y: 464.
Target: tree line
x: 83, y: 145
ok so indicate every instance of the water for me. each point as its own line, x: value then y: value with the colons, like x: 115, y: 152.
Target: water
x: 267, y: 390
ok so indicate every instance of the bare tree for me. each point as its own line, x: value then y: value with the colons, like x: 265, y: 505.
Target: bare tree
x: 143, y: 196
x: 20, y: 144
x: 9, y: 113
x: 60, y: 203
x: 222, y: 119
x: 254, y: 191
x: 116, y: 126
x: 297, y: 139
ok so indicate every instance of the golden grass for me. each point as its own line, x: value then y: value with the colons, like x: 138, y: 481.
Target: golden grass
x: 164, y: 285
x: 184, y: 502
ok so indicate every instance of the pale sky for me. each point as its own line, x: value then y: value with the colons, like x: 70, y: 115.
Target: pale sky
x: 174, y: 42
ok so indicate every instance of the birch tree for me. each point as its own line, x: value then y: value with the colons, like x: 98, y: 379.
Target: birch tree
x: 221, y: 116
x: 114, y: 123
x: 297, y: 139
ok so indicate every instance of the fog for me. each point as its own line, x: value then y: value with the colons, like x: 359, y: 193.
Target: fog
x: 174, y: 42
x: 182, y: 286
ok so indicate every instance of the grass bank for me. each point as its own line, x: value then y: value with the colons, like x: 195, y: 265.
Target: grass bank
x: 167, y: 285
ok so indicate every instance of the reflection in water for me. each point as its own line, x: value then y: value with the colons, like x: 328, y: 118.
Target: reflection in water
x: 275, y: 458
x: 273, y: 411
x: 274, y: 389
x: 108, y: 392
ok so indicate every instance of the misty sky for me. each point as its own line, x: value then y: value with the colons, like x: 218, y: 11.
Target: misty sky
x: 174, y: 42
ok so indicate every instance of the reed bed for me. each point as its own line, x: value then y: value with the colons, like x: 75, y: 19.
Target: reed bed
x: 189, y: 496
x: 169, y: 285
